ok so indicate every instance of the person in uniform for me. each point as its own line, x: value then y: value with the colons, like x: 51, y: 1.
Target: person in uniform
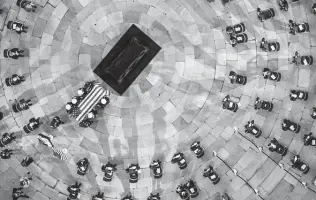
x: 313, y: 115
x: 83, y: 166
x: 6, y: 153
x: 17, y: 193
x: 14, y: 80
x: 6, y: 139
x: 99, y: 196
x: 21, y: 105
x: 32, y: 125
x: 56, y: 122
x: 74, y: 191
x: 26, y: 180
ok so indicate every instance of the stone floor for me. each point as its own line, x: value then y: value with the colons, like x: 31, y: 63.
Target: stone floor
x: 176, y: 99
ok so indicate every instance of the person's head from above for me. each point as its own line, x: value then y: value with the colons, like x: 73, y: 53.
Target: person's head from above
x: 232, y: 40
x: 90, y: 115
x: 80, y: 91
x: 103, y: 101
x: 68, y: 106
x: 74, y: 100
x: 229, y: 29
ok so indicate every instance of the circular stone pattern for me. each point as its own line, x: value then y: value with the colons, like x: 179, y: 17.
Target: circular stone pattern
x: 175, y: 101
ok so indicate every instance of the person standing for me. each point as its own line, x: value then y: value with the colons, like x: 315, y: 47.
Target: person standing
x: 14, y: 53
x: 6, y: 153
x: 313, y: 115
x: 6, y: 139
x: 21, y: 105
x: 32, y: 125
x: 26, y: 180
x: 27, y: 161
x: 83, y: 166
x: 99, y: 196
x: 17, y: 193
x: 74, y: 191
x: 14, y: 80
x: 56, y: 122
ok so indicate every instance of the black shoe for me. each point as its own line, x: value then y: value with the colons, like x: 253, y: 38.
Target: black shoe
x: 1, y: 115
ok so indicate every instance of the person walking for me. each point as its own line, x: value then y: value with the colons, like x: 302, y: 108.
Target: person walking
x: 25, y: 181
x: 6, y: 153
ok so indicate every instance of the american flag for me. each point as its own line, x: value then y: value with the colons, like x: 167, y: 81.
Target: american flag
x: 59, y: 154
x: 89, y: 102
x: 75, y: 112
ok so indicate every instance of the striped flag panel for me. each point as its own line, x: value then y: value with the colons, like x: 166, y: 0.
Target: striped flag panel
x: 90, y: 101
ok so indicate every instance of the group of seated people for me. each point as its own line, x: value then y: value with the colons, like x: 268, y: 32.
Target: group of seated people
x: 72, y: 107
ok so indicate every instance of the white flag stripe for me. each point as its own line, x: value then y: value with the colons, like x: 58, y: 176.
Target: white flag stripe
x: 90, y: 105
x: 90, y: 93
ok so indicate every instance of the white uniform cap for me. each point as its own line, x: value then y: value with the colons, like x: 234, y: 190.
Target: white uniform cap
x: 90, y: 115
x: 103, y: 101
x: 80, y: 92
x: 68, y: 107
x: 74, y: 101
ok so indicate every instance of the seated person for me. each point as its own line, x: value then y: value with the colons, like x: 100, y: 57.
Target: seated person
x: 99, y: 196
x: 74, y: 191
x: 83, y: 166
